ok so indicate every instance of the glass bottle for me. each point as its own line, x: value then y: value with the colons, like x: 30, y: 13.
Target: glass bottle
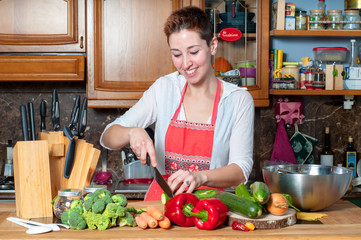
x: 351, y: 156
x: 326, y: 156
x: 301, y: 19
x: 354, y: 55
x: 63, y: 200
x: 321, y: 5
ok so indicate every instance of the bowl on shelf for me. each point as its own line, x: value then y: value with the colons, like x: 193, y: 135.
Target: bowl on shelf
x: 312, y: 187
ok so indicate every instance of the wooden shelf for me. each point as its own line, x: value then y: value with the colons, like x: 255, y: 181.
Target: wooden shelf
x: 319, y: 33
x: 313, y: 92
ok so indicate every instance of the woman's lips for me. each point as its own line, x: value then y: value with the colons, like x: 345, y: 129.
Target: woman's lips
x: 190, y: 72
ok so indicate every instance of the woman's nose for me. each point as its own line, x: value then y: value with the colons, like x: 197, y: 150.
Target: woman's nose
x: 186, y: 62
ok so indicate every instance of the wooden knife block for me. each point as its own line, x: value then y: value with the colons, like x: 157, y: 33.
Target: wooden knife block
x: 32, y: 179
x: 39, y: 171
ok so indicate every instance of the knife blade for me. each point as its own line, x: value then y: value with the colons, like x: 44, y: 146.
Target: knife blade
x: 74, y: 117
x: 83, y: 118
x: 160, y: 180
x: 24, y: 122
x: 42, y: 115
x: 69, y: 159
x: 31, y: 121
x: 55, y: 111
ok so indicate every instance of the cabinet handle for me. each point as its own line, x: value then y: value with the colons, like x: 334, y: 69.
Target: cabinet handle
x: 81, y: 41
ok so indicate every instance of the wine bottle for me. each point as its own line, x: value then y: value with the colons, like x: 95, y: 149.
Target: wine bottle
x: 351, y: 156
x: 326, y: 156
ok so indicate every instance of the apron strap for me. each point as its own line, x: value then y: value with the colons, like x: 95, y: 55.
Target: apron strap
x: 215, y: 105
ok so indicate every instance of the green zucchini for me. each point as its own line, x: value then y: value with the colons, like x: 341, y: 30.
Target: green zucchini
x: 242, y: 191
x: 260, y: 192
x: 240, y: 204
x: 205, y: 193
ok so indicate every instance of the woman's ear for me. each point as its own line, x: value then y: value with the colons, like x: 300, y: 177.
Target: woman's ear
x: 214, y: 45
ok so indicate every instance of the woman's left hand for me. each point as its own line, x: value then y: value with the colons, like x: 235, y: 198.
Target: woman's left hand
x: 181, y: 180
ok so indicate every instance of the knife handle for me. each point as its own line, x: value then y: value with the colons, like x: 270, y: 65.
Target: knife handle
x: 31, y: 120
x: 69, y: 160
x: 42, y: 115
x: 55, y: 111
x: 24, y: 122
x: 83, y: 118
x: 74, y: 114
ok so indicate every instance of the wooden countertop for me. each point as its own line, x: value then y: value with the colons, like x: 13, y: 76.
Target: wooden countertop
x: 343, y: 222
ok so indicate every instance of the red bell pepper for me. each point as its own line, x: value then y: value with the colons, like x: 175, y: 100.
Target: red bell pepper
x: 208, y: 214
x: 174, y: 209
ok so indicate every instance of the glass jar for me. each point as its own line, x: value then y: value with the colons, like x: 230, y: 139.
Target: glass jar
x: 352, y: 15
x: 301, y: 19
x: 63, y: 200
x: 334, y: 15
x: 92, y: 188
x: 317, y: 15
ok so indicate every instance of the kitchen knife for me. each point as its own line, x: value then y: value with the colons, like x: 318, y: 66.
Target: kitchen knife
x: 160, y: 180
x: 69, y: 159
x: 42, y: 115
x: 55, y: 111
x: 24, y: 122
x: 31, y: 121
x: 83, y: 118
x: 74, y: 117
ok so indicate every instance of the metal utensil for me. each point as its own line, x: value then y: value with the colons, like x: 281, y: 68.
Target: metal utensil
x: 31, y: 228
x: 53, y: 226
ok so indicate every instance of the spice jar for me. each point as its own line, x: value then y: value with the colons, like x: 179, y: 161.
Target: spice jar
x: 319, y: 81
x: 292, y: 71
x: 335, y: 16
x: 309, y: 80
x: 63, y: 200
x: 301, y: 19
x: 352, y: 15
x: 317, y: 15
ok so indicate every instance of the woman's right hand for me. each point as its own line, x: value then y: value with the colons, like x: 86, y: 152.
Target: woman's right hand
x: 141, y: 144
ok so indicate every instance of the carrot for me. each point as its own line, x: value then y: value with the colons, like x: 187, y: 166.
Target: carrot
x: 155, y: 212
x: 141, y: 223
x: 152, y: 223
x: 165, y: 223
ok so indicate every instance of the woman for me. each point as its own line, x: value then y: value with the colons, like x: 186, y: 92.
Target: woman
x: 203, y: 126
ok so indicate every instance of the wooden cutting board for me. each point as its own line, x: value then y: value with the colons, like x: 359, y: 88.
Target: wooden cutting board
x: 266, y: 220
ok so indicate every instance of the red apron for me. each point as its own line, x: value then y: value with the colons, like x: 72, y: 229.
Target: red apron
x: 188, y: 145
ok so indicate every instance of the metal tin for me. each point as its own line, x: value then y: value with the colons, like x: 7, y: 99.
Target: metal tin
x: 317, y: 15
x: 92, y: 188
x: 63, y: 201
x: 352, y: 4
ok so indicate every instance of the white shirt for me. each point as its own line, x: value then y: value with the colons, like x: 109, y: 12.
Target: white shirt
x: 233, y: 136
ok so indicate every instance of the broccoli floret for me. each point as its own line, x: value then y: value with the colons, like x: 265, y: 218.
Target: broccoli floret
x: 88, y: 204
x: 77, y: 203
x: 91, y: 219
x: 102, y: 193
x: 92, y: 196
x: 102, y: 222
x: 65, y: 218
x: 120, y: 199
x: 127, y: 220
x: 113, y: 211
x: 76, y: 219
x: 98, y: 206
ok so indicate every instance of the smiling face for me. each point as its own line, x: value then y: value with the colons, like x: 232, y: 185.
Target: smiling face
x: 192, y: 56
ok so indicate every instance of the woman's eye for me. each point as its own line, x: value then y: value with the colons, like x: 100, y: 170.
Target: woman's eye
x: 195, y: 52
x: 176, y: 55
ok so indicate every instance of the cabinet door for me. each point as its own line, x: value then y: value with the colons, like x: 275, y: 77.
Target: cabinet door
x: 129, y: 50
x: 42, y: 26
x: 251, y: 47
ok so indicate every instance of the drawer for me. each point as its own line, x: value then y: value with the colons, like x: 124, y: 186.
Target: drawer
x: 42, y: 67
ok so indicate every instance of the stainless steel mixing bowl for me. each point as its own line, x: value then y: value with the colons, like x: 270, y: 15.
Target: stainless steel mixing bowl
x: 312, y: 187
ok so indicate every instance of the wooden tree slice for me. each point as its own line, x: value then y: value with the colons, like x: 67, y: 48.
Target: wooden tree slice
x: 266, y: 220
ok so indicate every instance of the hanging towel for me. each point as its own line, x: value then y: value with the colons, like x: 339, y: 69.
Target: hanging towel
x: 282, y: 149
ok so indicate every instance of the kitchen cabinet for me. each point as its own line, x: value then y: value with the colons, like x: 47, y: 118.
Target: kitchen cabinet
x: 129, y: 50
x: 46, y: 34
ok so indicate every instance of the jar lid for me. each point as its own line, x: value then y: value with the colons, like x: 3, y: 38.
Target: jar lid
x: 352, y: 11
x: 300, y: 11
x: 92, y: 188
x: 70, y: 192
x: 330, y: 49
x: 317, y: 11
x: 334, y: 11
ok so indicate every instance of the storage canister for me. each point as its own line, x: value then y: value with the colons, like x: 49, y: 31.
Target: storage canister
x: 317, y: 15
x: 335, y: 16
x: 63, y: 200
x: 92, y: 188
x: 352, y: 15
x: 301, y: 20
x: 292, y: 71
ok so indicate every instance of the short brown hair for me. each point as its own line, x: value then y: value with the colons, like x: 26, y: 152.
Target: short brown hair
x: 189, y: 18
